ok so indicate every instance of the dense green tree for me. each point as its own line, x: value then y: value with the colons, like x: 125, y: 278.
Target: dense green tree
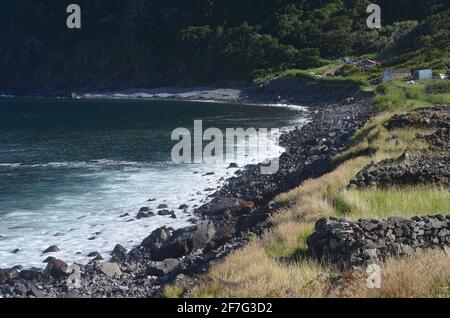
x: 171, y: 42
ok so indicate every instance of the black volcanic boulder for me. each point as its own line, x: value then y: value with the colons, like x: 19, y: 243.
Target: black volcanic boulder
x: 48, y: 259
x: 51, y: 249
x: 156, y: 238
x: 56, y: 269
x: 119, y: 253
x: 93, y: 254
x: 145, y: 212
x: 31, y: 275
x: 165, y: 213
x: 186, y: 240
x: 7, y: 274
x: 219, y: 205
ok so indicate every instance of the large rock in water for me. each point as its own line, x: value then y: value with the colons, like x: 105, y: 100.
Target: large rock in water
x: 184, y: 241
x: 51, y: 249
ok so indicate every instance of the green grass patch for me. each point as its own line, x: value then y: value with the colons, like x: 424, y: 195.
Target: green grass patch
x: 341, y: 207
x: 279, y: 248
x: 398, y: 96
x: 403, y: 202
x: 315, y: 75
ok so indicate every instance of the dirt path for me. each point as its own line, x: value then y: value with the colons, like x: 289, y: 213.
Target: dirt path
x: 332, y: 71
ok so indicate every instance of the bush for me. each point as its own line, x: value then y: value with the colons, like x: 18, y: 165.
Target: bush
x: 441, y: 87
x: 347, y: 70
x: 388, y: 98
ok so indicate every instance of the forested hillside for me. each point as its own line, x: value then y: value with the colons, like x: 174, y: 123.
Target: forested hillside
x: 149, y: 43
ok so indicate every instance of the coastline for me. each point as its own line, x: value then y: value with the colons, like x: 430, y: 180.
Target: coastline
x: 281, y: 90
x: 91, y: 228
x: 242, y: 204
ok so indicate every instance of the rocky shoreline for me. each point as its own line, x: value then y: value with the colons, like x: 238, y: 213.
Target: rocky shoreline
x: 243, y: 205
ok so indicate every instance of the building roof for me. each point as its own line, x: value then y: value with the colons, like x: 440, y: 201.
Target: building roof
x: 368, y: 62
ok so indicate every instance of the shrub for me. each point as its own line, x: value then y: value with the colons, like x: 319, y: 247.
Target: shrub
x: 441, y: 87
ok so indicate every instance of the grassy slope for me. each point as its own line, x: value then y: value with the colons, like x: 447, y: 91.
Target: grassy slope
x: 399, y: 96
x: 318, y: 75
x: 275, y: 265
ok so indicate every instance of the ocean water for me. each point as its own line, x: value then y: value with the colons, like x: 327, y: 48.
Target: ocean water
x: 70, y: 170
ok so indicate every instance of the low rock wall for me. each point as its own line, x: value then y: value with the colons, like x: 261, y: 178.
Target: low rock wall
x: 356, y: 244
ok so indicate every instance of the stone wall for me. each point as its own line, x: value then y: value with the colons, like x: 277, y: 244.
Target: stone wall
x: 405, y: 171
x: 358, y: 244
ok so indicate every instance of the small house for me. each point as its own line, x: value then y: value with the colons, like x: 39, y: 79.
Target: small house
x: 394, y: 74
x: 422, y: 74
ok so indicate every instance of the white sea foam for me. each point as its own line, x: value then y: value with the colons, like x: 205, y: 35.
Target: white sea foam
x: 76, y: 164
x: 90, y: 219
x: 10, y: 165
x: 289, y: 106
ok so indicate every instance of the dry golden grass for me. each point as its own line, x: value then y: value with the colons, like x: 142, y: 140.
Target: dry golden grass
x: 423, y: 276
x: 276, y: 264
x: 252, y: 273
x: 324, y: 187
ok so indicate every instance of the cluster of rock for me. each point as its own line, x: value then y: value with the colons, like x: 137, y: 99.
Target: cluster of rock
x: 146, y: 212
x: 437, y: 116
x: 162, y: 253
x: 405, y: 171
x: 357, y: 244
x: 309, y: 152
x: 433, y: 168
x: 440, y: 140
